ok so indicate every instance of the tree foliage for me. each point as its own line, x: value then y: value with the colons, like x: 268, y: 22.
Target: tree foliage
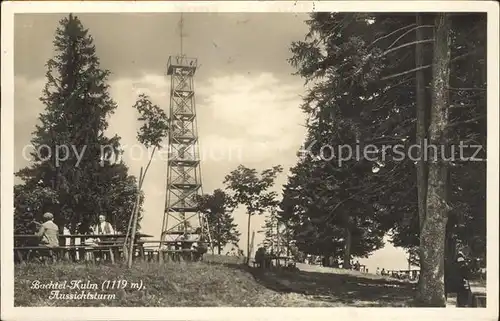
x: 251, y: 189
x: 368, y: 75
x: 72, y: 172
x: 154, y: 120
x: 153, y: 131
x: 218, y: 208
x: 277, y: 236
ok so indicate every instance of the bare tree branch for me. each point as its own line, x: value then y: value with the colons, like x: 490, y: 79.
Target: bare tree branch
x: 462, y: 106
x: 405, y: 72
x: 404, y: 34
x: 390, y: 34
x: 467, y: 89
x: 472, y: 120
x: 427, y: 66
x: 406, y: 45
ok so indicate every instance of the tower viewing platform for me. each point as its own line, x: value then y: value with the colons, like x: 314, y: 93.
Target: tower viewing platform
x: 181, y: 63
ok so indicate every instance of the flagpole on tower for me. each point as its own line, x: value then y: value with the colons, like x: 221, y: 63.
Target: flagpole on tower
x: 181, y: 35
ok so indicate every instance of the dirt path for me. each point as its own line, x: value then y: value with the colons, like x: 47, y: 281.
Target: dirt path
x: 321, y: 286
x: 323, y: 269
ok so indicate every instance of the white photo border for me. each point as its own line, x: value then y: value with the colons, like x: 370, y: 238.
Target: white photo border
x: 9, y: 8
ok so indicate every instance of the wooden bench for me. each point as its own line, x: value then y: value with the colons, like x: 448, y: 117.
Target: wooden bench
x: 87, y: 248
x: 478, y: 296
x: 150, y: 250
x: 176, y: 255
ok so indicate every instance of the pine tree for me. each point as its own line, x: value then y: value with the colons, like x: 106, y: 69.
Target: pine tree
x: 373, y: 81
x: 74, y: 161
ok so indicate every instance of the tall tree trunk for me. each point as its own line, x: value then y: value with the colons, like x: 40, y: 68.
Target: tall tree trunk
x: 248, y: 238
x: 449, y: 243
x: 277, y: 238
x: 422, y: 121
x: 347, y: 249
x: 219, y: 237
x: 432, y: 236
x: 421, y: 132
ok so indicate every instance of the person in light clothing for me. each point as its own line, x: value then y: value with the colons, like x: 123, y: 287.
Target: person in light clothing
x: 49, y: 231
x: 67, y: 241
x: 103, y: 227
x: 49, y: 234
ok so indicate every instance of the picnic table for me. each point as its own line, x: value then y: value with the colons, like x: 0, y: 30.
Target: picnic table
x: 478, y: 295
x: 277, y: 260
x: 79, y: 245
x: 285, y: 259
x: 175, y: 250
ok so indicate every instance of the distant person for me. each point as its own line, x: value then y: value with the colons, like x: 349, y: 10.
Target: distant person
x: 67, y: 240
x: 383, y: 272
x: 198, y: 250
x: 90, y: 240
x: 103, y: 227
x: 78, y: 241
x: 48, y: 231
x: 377, y: 272
x: 261, y: 257
x: 49, y: 234
x: 462, y: 285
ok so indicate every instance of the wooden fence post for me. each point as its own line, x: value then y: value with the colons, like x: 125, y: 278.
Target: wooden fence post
x: 135, y: 214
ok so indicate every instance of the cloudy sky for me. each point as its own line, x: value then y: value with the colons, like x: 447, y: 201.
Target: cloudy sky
x: 247, y: 99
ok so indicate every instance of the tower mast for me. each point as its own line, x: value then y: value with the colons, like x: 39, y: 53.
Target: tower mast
x: 184, y: 182
x: 181, y: 35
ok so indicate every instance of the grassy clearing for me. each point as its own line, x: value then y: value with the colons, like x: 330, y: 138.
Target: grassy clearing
x: 204, y: 284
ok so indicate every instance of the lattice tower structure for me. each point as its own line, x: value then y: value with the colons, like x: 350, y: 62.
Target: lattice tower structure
x: 184, y: 183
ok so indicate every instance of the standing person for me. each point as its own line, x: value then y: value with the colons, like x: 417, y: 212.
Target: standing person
x: 49, y: 234
x: 260, y: 257
x: 377, y: 272
x: 457, y: 280
x: 103, y: 227
x: 464, y: 294
x: 67, y: 242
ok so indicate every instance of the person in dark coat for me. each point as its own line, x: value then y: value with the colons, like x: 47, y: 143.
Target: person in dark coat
x: 457, y: 280
x: 464, y: 294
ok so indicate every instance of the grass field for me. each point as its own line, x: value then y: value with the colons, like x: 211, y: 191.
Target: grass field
x: 210, y: 284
